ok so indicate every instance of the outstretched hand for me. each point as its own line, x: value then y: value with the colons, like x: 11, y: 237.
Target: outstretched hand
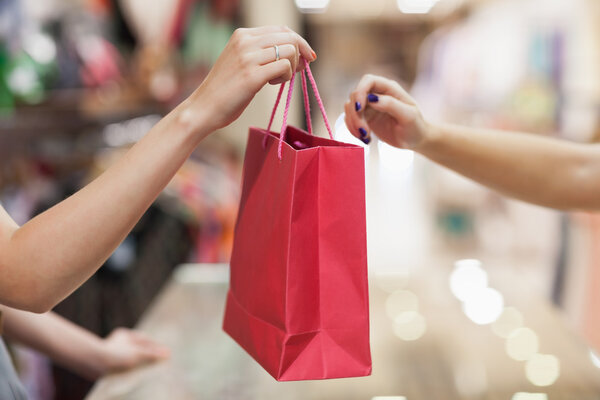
x: 382, y: 106
x: 125, y: 349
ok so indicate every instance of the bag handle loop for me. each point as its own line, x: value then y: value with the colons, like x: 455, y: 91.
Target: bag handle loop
x: 306, y: 106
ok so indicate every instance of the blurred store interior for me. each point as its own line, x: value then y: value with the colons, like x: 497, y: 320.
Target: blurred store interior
x: 81, y: 80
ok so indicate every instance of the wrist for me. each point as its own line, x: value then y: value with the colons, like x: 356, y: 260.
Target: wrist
x: 193, y: 119
x: 431, y: 134
x: 95, y: 363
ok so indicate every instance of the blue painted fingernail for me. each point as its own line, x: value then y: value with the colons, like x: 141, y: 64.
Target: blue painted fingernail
x: 363, y: 132
x: 357, y: 106
x: 373, y: 98
x: 366, y: 140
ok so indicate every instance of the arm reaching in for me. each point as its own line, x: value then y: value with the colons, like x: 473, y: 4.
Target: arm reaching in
x: 78, y: 349
x: 540, y: 170
x: 50, y: 256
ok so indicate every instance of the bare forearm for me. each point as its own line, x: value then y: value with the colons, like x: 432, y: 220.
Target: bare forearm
x: 46, y: 259
x: 54, y: 253
x: 540, y: 170
x: 66, y: 343
x: 532, y: 168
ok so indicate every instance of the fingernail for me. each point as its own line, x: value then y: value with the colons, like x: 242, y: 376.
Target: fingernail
x: 366, y: 140
x: 314, y: 55
x: 373, y: 98
x: 363, y: 132
x: 357, y: 106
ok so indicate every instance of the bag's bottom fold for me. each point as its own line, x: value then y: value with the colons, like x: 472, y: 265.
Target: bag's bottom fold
x: 291, y: 357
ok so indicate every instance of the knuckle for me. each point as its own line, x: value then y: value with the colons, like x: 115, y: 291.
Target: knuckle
x: 235, y: 44
x: 290, y: 37
x: 243, y: 40
x: 245, y: 58
x: 289, y: 50
x: 413, y: 115
x: 367, y: 81
x: 243, y: 31
x: 240, y: 37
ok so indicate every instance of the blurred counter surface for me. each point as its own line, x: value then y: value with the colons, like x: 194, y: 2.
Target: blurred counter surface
x: 427, y: 344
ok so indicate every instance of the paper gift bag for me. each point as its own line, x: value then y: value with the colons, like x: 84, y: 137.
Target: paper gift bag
x: 298, y: 297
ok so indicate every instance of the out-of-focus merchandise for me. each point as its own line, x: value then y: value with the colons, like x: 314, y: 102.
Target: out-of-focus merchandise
x: 80, y: 82
x: 111, y: 47
x: 474, y: 73
x: 529, y: 66
x: 27, y: 58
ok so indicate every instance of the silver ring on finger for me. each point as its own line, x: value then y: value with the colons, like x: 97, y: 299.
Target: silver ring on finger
x: 276, y: 52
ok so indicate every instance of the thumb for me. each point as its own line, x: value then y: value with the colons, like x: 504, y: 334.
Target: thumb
x: 397, y: 109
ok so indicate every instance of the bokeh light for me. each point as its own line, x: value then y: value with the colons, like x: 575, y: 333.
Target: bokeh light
x: 312, y: 5
x: 595, y: 359
x: 399, y: 302
x: 467, y: 278
x: 509, y: 321
x: 40, y: 47
x: 484, y: 306
x: 416, y: 6
x: 388, y: 398
x: 23, y: 79
x: 409, y: 326
x: 530, y: 396
x: 522, y: 344
x: 542, y: 369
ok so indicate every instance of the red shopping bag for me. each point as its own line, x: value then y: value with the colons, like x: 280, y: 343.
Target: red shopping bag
x: 298, y: 297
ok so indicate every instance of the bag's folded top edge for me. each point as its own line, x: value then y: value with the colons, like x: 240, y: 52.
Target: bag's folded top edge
x: 309, y: 140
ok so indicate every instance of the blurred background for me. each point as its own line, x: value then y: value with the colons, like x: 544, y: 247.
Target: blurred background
x: 81, y: 80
